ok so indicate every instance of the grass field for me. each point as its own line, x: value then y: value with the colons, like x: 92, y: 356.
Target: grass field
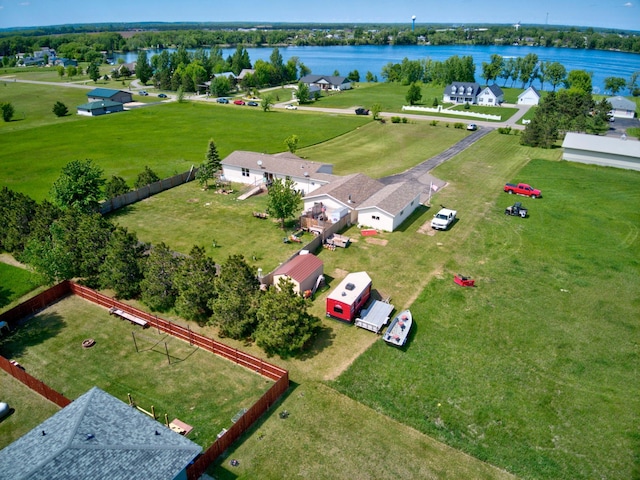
x: 14, y: 283
x: 197, y: 387
x: 168, y: 138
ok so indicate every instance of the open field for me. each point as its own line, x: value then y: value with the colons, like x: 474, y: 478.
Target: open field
x: 534, y: 379
x: 30, y: 409
x: 168, y: 138
x: 197, y: 387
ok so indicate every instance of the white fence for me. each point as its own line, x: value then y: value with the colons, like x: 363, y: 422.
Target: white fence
x: 440, y: 110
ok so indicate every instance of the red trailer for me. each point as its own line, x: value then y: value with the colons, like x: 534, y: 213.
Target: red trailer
x: 348, y: 298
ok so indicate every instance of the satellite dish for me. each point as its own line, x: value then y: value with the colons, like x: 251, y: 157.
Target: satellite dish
x: 259, y: 163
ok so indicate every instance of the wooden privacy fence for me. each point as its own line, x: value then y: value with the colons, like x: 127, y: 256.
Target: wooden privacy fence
x: 33, y: 383
x: 266, y: 369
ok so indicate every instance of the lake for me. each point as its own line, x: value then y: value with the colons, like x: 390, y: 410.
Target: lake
x: 344, y: 59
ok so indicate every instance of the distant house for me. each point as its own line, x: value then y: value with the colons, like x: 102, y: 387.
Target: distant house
x: 254, y: 168
x: 622, y: 107
x: 302, y: 270
x: 462, y: 92
x: 244, y: 72
x: 390, y: 206
x: 65, y: 62
x: 327, y: 82
x: 491, y: 96
x: 100, y: 107
x: 605, y: 151
x: 101, y: 94
x: 99, y: 436
x: 530, y: 96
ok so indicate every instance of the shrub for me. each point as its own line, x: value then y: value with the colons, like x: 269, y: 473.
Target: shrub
x: 433, y: 123
x: 459, y: 125
x: 504, y: 130
x: 60, y: 109
x: 395, y: 119
x: 404, y: 120
x: 467, y: 106
x: 7, y: 111
x: 435, y: 102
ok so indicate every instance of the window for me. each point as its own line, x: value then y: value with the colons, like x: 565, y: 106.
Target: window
x: 375, y: 217
x: 338, y: 309
x: 245, y: 172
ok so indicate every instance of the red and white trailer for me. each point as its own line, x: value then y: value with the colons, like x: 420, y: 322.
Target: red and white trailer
x: 348, y: 298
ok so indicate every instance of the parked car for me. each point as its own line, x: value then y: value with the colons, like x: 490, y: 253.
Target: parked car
x: 291, y: 107
x: 362, y: 111
x: 222, y: 100
x: 472, y: 126
x: 144, y: 93
x: 522, y: 189
x: 162, y: 95
x: 443, y: 219
x: 253, y: 104
x: 238, y: 102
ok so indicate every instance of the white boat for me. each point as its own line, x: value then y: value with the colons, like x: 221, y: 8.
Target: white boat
x: 399, y: 329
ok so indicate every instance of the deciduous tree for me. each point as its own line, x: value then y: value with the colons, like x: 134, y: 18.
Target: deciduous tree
x: 7, y: 111
x: 144, y: 71
x: 292, y: 143
x: 303, y: 93
x: 146, y: 177
x: 79, y: 185
x: 414, y: 94
x: 614, y: 84
x: 115, y: 186
x: 284, y: 200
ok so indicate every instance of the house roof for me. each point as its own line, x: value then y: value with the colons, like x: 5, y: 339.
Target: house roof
x: 98, y: 104
x: 98, y: 436
x: 328, y: 79
x: 595, y: 143
x: 283, y: 164
x: 393, y: 198
x: 495, y: 89
x: 530, y: 89
x: 244, y: 72
x: 300, y: 267
x: 352, y: 190
x: 621, y: 103
x: 475, y: 88
x: 350, y: 288
x: 103, y: 92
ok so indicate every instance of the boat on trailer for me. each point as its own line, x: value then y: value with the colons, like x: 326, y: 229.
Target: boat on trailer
x: 399, y: 329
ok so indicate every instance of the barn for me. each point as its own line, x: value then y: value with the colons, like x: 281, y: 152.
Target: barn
x: 303, y: 270
x: 348, y: 298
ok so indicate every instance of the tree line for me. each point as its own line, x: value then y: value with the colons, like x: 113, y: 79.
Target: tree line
x: 86, y: 42
x: 67, y: 238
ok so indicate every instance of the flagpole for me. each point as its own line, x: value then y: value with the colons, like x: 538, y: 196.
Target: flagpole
x: 430, y: 189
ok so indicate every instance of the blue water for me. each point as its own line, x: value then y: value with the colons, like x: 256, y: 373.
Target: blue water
x: 344, y: 59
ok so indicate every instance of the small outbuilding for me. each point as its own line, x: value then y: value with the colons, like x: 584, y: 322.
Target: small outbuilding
x: 530, y: 96
x: 102, y: 94
x: 348, y: 298
x: 304, y: 271
x: 102, y: 107
x: 622, y: 107
x: 604, y: 151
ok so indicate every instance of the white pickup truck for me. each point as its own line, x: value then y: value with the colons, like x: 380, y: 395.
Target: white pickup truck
x: 443, y: 219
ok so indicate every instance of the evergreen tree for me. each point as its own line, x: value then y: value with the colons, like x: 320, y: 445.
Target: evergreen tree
x: 144, y: 71
x: 115, y: 186
x: 195, y: 282
x: 17, y: 211
x: 210, y: 167
x: 158, y: 288
x: 414, y: 94
x: 284, y: 324
x: 121, y: 269
x: 146, y: 177
x: 60, y: 109
x: 93, y: 70
x: 303, y: 93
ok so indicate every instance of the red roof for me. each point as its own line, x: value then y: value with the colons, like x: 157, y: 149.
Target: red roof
x: 300, y: 267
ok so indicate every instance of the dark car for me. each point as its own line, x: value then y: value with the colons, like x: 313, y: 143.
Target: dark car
x: 362, y: 111
x: 222, y: 100
x: 253, y: 104
x: 162, y: 95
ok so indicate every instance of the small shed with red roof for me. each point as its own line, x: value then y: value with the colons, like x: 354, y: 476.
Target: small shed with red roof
x: 348, y: 298
x: 303, y: 270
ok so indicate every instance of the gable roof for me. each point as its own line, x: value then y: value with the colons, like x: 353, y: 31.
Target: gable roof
x: 607, y: 145
x: 393, y: 198
x: 329, y: 79
x: 352, y: 190
x: 285, y: 163
x: 495, y: 89
x: 98, y: 436
x: 99, y: 104
x: 103, y: 92
x: 475, y: 88
x: 621, y: 103
x: 528, y: 90
x: 299, y: 267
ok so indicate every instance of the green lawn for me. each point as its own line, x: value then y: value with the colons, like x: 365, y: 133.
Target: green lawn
x: 168, y: 138
x: 197, y: 387
x: 14, y: 283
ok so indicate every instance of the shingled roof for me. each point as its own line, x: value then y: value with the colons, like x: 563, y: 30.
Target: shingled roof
x: 393, y: 198
x: 351, y: 190
x: 283, y: 164
x: 98, y: 436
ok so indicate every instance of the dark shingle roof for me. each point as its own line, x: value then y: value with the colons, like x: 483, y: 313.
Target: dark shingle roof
x: 330, y: 79
x: 98, y: 436
x: 495, y: 89
x: 351, y: 190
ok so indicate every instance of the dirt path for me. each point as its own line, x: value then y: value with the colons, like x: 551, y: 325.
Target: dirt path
x: 9, y: 260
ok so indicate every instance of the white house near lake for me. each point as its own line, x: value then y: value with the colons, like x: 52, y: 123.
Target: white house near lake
x: 491, y: 95
x: 327, y: 82
x: 530, y: 96
x: 605, y: 151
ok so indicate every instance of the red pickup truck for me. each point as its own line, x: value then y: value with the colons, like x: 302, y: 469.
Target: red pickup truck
x: 522, y: 189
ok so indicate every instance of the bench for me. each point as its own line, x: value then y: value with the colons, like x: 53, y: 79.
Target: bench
x: 128, y: 316
x: 180, y: 427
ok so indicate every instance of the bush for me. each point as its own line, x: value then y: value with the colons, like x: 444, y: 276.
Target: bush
x: 433, y: 123
x: 60, y: 109
x: 458, y: 125
x: 146, y: 177
x: 435, y: 102
x: 7, y: 111
x: 504, y: 130
x: 395, y: 120
x: 467, y: 106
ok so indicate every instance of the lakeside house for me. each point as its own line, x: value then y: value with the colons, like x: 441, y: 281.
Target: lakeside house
x: 462, y: 92
x: 622, y: 107
x: 530, y: 96
x: 327, y: 82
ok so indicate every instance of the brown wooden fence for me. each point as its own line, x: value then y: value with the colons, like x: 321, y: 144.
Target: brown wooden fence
x: 33, y: 383
x: 266, y: 369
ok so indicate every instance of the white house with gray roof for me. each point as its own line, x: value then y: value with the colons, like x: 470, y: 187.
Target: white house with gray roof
x: 390, y: 206
x: 605, y: 151
x: 98, y: 436
x: 622, y: 107
x: 530, y: 96
x: 252, y: 168
x: 491, y: 96
x: 327, y: 82
x: 462, y: 92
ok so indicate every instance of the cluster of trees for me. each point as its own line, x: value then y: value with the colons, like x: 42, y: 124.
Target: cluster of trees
x: 66, y: 238
x: 569, y: 109
x: 81, y: 42
x: 453, y: 69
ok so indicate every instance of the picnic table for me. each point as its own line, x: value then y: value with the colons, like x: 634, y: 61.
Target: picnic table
x: 127, y: 316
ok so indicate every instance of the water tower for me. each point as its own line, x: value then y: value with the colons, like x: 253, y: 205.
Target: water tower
x: 413, y: 23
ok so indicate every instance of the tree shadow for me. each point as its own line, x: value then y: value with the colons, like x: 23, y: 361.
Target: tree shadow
x: 322, y: 340
x: 29, y: 332
x: 5, y: 296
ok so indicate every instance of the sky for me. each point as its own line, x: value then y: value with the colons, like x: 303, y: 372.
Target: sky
x: 620, y: 14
